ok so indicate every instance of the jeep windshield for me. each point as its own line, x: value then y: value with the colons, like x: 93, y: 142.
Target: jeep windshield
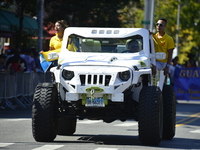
x: 131, y: 44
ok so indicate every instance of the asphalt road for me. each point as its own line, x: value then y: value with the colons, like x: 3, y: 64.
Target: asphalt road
x: 16, y: 133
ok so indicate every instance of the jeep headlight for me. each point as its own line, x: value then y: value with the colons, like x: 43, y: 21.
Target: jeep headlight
x: 67, y: 74
x: 125, y: 75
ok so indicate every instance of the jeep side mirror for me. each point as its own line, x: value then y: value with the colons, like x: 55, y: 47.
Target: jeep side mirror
x: 160, y: 55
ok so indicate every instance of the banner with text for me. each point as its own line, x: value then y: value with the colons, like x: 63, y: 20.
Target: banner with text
x: 187, y: 83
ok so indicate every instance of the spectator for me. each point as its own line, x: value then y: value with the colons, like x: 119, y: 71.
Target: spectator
x: 30, y: 63
x: 9, y: 53
x: 38, y: 67
x: 190, y: 64
x: 172, y: 69
x: 2, y: 63
x: 15, y: 63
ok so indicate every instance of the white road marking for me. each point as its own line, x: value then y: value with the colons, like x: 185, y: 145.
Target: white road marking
x: 195, y: 131
x: 5, y: 144
x: 48, y: 147
x: 89, y: 121
x: 126, y: 124
x: 106, y: 148
x: 18, y: 119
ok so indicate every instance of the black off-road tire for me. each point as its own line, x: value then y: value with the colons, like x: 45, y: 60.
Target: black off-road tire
x: 66, y: 126
x: 44, y: 112
x: 150, y: 115
x: 169, y: 112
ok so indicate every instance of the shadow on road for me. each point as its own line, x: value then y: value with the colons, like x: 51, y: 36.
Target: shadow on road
x: 175, y: 143
x: 19, y: 113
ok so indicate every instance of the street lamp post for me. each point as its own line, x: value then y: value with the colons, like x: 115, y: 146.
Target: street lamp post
x: 177, y: 27
x: 40, y: 23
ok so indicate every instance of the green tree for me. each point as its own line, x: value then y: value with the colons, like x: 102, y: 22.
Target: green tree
x: 190, y: 23
x: 189, y: 42
x: 28, y: 7
x: 132, y: 14
x: 99, y: 13
x: 22, y: 7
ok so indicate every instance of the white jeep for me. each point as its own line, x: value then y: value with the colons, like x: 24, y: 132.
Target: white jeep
x: 99, y: 77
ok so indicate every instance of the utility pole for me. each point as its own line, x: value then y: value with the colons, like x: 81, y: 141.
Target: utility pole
x: 40, y: 23
x: 152, y: 15
x: 148, y: 22
x: 177, y: 27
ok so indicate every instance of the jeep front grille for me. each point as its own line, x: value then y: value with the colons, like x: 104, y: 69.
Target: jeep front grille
x: 92, y: 79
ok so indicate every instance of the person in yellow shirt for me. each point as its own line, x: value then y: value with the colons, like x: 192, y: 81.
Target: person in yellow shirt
x: 163, y: 43
x: 56, y: 41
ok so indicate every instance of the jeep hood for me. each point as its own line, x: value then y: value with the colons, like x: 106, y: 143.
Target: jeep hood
x: 103, y: 59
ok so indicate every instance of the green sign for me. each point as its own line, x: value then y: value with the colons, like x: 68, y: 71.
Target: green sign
x: 145, y: 22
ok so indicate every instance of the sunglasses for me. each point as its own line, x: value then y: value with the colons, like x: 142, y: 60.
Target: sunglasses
x: 159, y: 24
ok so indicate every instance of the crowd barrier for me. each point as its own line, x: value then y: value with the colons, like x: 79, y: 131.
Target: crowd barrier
x: 18, y: 89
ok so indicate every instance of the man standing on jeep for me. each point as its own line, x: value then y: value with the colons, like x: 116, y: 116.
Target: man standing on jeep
x: 163, y: 43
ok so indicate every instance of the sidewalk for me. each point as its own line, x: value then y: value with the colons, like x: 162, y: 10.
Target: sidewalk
x: 189, y: 102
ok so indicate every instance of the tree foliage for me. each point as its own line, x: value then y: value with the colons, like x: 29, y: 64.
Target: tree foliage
x: 99, y: 13
x: 22, y: 7
x: 188, y: 32
x: 132, y: 14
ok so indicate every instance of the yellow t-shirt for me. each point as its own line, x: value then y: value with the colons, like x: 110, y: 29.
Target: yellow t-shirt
x: 163, y: 44
x: 55, y: 42
x: 72, y: 47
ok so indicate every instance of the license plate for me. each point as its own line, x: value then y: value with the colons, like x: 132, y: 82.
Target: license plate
x: 96, y: 102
